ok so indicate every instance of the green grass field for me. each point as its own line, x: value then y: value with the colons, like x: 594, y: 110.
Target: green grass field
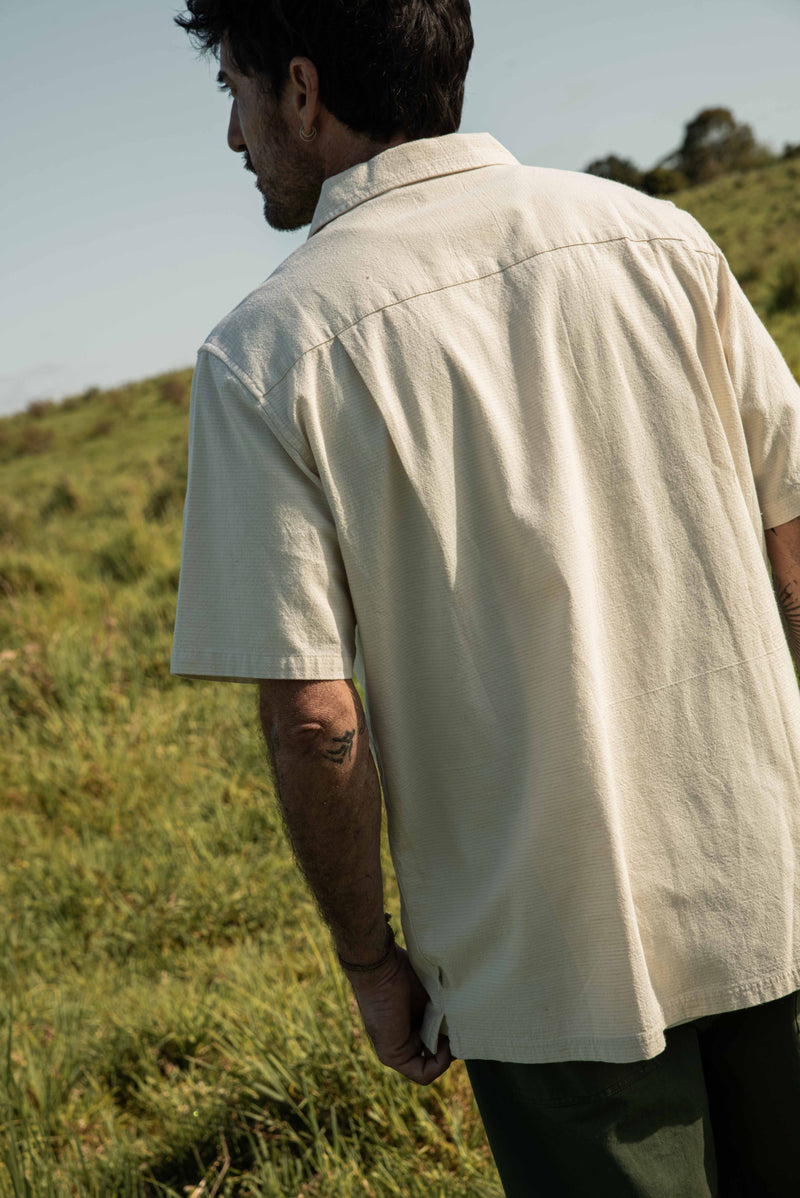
x: 174, y: 1022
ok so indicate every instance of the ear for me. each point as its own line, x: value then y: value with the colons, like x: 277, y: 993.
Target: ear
x: 302, y: 92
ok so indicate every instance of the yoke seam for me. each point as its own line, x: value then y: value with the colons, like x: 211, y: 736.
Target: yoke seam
x: 262, y: 395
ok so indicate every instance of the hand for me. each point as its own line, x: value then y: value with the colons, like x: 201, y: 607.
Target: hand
x: 392, y: 1002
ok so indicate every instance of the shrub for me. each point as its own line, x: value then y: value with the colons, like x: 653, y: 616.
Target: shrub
x: 34, y: 440
x: 62, y: 498
x: 14, y: 520
x: 101, y: 429
x: 166, y: 581
x: 661, y: 182
x: 120, y: 399
x: 26, y: 686
x: 123, y: 558
x: 786, y: 290
x: 27, y: 573
x: 176, y: 464
x: 173, y: 391
x: 750, y: 273
x: 618, y: 170
x: 164, y: 500
x: 39, y: 407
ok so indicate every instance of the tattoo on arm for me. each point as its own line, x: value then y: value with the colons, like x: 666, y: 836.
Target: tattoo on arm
x: 344, y: 747
x: 790, y: 610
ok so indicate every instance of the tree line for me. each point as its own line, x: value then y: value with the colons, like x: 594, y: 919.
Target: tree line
x: 714, y: 144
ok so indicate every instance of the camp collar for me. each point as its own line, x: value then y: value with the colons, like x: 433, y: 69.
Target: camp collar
x: 410, y: 162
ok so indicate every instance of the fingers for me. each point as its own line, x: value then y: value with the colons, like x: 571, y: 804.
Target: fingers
x: 424, y: 1067
x: 435, y: 1066
x: 392, y: 1003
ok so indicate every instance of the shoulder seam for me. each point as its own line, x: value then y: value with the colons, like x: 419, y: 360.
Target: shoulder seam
x: 282, y: 433
x: 242, y: 375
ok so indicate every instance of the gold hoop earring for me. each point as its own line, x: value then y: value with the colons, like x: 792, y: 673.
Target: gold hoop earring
x: 308, y: 136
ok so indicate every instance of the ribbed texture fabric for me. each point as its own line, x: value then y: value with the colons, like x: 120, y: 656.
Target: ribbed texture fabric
x: 519, y: 432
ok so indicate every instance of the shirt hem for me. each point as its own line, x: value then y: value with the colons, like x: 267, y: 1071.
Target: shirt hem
x: 781, y: 511
x: 253, y: 669
x: 627, y: 1047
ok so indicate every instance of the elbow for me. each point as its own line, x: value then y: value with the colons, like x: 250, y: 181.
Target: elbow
x: 308, y: 717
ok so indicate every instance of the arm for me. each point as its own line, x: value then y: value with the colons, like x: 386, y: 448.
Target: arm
x: 783, y: 550
x: 330, y: 798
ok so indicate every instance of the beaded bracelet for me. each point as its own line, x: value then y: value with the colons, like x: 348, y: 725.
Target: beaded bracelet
x: 388, y: 949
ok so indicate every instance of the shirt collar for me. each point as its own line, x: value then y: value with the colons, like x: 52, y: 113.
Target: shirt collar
x: 410, y: 162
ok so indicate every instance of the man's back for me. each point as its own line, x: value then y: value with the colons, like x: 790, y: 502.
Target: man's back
x: 521, y: 428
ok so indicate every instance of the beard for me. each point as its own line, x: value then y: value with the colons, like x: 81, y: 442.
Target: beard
x: 289, y: 180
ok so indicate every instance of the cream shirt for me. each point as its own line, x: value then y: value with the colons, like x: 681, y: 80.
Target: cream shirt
x: 522, y: 430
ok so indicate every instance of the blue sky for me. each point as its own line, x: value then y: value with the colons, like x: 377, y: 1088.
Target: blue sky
x: 129, y: 228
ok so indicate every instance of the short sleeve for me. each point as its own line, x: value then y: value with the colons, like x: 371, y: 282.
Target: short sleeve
x: 263, y: 591
x: 769, y: 402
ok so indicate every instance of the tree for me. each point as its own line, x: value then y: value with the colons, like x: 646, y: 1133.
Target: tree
x: 663, y: 182
x: 619, y: 170
x: 714, y: 144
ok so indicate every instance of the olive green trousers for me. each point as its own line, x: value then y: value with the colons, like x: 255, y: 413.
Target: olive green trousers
x: 715, y: 1115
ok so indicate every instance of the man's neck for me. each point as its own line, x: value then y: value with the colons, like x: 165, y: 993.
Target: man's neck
x: 349, y: 149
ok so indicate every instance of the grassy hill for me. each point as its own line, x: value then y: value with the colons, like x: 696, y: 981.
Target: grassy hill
x: 755, y: 219
x: 174, y: 1020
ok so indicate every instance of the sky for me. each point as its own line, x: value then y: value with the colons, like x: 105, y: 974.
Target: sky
x: 129, y: 228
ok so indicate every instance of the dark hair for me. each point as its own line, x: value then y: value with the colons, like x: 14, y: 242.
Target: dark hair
x: 384, y: 66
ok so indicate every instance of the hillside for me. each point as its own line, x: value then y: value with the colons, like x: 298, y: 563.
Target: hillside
x: 755, y: 220
x: 173, y: 1015
x: 174, y: 1019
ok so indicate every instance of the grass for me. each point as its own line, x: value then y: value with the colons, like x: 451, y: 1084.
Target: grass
x: 174, y: 1022
x: 174, y: 1019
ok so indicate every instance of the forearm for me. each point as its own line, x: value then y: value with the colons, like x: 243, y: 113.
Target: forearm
x: 783, y: 547
x: 330, y: 800
x: 788, y: 599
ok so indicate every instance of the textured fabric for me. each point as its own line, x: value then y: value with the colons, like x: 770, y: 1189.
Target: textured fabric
x: 520, y: 432
x: 714, y: 1114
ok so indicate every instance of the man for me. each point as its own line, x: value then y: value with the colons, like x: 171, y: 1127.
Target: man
x: 515, y: 436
